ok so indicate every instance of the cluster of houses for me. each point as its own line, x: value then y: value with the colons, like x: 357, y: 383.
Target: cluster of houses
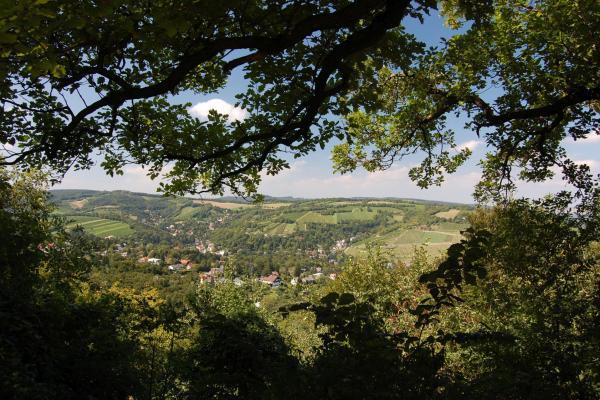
x: 312, y: 278
x: 209, y: 247
x: 340, y: 245
x: 149, y: 260
x: 274, y: 280
x: 182, y: 265
x: 176, y: 230
x: 213, y: 276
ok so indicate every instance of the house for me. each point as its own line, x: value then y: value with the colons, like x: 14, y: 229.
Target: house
x: 213, y: 276
x: 312, y: 278
x: 177, y: 267
x: 273, y: 280
x: 333, y: 276
x: 188, y: 263
x: 149, y: 260
x: 340, y: 245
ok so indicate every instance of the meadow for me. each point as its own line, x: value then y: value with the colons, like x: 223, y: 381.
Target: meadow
x: 99, y: 226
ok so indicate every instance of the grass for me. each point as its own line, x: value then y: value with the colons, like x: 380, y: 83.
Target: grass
x: 78, y: 204
x: 449, y: 226
x: 357, y: 214
x: 398, y: 217
x: 316, y: 218
x: 281, y: 229
x: 301, y: 219
x: 450, y: 214
x: 402, y: 244
x: 100, y: 226
x: 223, y: 204
x: 272, y: 206
x: 187, y: 213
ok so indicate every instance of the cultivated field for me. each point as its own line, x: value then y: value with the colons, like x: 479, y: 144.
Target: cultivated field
x: 450, y: 214
x: 188, y: 212
x: 223, y: 204
x: 402, y: 244
x: 302, y: 219
x: 78, y: 204
x: 100, y: 227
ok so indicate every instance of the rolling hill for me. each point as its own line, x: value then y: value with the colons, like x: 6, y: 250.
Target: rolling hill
x: 342, y: 225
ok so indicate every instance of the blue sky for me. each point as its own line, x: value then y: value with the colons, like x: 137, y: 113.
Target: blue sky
x: 312, y: 176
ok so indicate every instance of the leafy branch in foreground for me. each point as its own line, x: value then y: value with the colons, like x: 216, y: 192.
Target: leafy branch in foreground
x: 79, y: 77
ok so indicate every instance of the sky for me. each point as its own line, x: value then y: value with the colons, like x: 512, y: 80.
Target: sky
x: 312, y: 176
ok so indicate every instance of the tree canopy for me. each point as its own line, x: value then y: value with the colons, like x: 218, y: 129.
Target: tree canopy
x: 81, y: 76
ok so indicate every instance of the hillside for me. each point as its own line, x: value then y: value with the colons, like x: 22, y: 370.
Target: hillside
x: 335, y: 227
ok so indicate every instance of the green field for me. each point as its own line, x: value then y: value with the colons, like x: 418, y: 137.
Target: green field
x: 357, y: 214
x: 311, y: 217
x: 100, y: 226
x: 402, y: 244
x: 188, y: 212
x: 316, y: 218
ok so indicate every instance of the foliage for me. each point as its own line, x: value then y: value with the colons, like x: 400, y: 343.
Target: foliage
x: 236, y: 354
x: 522, y: 74
x: 542, y: 293
x: 510, y: 312
x: 307, y: 64
x: 61, y: 338
x: 125, y: 58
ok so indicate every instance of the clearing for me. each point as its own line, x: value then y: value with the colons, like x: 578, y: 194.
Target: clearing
x: 100, y: 226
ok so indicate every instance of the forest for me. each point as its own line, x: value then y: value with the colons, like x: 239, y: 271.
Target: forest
x: 121, y: 295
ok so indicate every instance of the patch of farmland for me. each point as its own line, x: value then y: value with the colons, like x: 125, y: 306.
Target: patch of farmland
x: 100, y: 226
x: 402, y: 244
x: 412, y: 236
x: 398, y: 217
x: 446, y: 226
x: 450, y: 214
x: 188, y: 212
x: 273, y: 206
x: 223, y: 204
x: 357, y: 214
x: 316, y: 218
x: 78, y: 204
x: 281, y: 229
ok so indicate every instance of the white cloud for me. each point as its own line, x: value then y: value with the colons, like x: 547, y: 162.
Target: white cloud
x: 201, y: 110
x: 300, y: 181
x: 135, y: 170
x: 471, y: 145
x: 593, y: 164
x: 593, y: 137
x: 8, y: 146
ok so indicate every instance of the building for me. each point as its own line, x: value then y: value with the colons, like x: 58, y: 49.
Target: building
x: 273, y: 280
x: 213, y: 276
x: 177, y: 267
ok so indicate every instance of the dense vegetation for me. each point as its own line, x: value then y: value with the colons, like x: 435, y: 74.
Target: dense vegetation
x: 510, y: 312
